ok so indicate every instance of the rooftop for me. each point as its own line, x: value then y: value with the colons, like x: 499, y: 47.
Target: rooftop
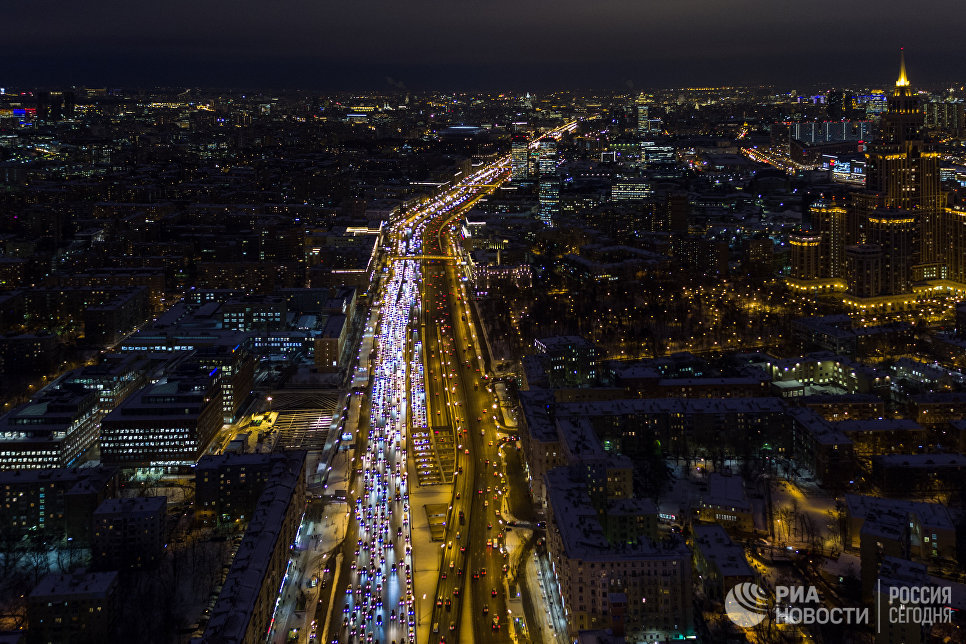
x: 80, y: 585
x: 580, y: 529
x: 717, y: 547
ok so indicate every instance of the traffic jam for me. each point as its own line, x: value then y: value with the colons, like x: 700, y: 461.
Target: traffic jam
x: 379, y: 604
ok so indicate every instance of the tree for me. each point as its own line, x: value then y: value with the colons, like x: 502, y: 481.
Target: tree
x: 13, y: 549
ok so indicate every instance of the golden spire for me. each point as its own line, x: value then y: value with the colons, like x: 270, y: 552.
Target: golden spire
x: 903, y: 81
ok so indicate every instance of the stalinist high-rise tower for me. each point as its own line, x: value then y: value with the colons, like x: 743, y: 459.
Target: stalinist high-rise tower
x: 902, y: 208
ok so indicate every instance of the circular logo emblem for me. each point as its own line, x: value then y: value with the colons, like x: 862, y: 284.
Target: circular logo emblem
x: 746, y: 604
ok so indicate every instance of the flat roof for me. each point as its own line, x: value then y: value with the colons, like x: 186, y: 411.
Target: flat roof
x: 582, y: 534
x: 716, y: 546
x: 79, y: 585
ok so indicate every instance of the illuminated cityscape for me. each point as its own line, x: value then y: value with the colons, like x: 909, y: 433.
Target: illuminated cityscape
x: 644, y: 364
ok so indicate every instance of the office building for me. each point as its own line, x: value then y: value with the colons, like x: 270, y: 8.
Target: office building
x: 643, y: 121
x: 236, y: 371
x: 630, y: 189
x: 113, y: 379
x: 166, y: 425
x: 549, y: 200
x: 250, y: 313
x: 547, y: 157
x: 55, y: 429
x: 519, y: 157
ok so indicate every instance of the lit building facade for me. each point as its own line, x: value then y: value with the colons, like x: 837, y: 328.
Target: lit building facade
x: 903, y: 171
x: 806, y: 255
x: 549, y: 200
x: 167, y: 425
x: 55, y: 429
x: 519, y: 157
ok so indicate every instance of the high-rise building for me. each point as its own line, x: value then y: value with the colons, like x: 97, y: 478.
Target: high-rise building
x: 547, y: 157
x: 674, y: 215
x: 903, y: 172
x: 834, y: 104
x: 899, y: 223
x: 946, y: 117
x: 806, y: 255
x: 829, y: 220
x: 955, y: 225
x: 549, y: 200
x: 894, y: 231
x: 519, y: 157
x: 643, y: 122
x: 55, y: 106
x: 864, y: 270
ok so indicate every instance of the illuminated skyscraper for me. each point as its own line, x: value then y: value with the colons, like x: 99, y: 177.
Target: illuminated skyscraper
x: 519, y: 158
x: 828, y: 219
x: 643, y: 124
x: 955, y: 225
x: 904, y: 173
x: 549, y: 200
x: 806, y: 255
x: 547, y: 157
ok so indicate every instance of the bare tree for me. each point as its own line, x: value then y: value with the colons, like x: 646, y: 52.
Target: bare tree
x: 12, y: 549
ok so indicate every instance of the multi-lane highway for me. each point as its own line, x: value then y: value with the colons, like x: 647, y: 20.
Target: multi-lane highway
x: 473, y: 568
x: 378, y: 600
x: 432, y: 413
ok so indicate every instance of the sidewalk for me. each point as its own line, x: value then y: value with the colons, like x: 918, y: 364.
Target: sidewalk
x: 306, y: 561
x: 550, y: 608
x: 543, y: 630
x: 318, y: 541
x: 361, y: 373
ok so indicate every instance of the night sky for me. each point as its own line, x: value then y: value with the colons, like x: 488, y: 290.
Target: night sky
x: 477, y: 44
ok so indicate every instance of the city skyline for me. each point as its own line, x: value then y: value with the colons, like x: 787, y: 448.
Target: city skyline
x: 520, y: 367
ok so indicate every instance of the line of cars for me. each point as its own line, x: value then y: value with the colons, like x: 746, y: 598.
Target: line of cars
x: 380, y: 602
x: 379, y: 599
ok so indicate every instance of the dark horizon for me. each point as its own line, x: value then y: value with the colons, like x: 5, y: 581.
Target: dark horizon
x: 375, y: 78
x: 501, y: 46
